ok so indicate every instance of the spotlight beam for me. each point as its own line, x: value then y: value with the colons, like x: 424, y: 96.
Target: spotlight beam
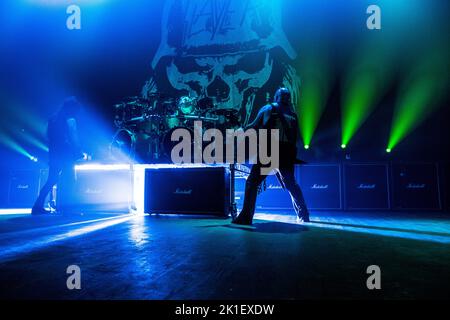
x: 414, y: 106
x: 315, y: 76
x: 365, y: 84
x: 358, y: 106
x: 10, y: 251
x: 13, y: 145
x: 35, y: 141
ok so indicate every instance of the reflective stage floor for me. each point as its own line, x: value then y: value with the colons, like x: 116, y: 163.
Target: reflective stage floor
x: 185, y: 257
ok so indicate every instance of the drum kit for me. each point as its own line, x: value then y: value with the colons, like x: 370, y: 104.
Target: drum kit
x: 145, y: 126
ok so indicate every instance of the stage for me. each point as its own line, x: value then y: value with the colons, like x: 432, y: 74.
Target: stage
x: 186, y: 257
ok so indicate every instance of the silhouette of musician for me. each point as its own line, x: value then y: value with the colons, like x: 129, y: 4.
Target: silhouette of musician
x: 278, y: 115
x: 64, y: 151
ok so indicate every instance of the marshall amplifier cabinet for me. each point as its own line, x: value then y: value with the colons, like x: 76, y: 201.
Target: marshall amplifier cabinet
x: 273, y: 197
x: 446, y: 174
x: 366, y: 187
x: 4, y: 187
x: 104, y: 190
x: 239, y: 191
x: 321, y: 186
x: 416, y: 186
x: 23, y: 188
x: 185, y: 190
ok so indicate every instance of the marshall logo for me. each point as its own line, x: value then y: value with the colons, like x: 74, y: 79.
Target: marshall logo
x: 93, y: 191
x: 416, y: 186
x: 319, y: 186
x: 23, y: 186
x: 366, y: 186
x: 183, y: 191
x: 273, y: 187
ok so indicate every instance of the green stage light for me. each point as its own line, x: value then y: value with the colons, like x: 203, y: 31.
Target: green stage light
x: 343, y: 146
x: 312, y: 104
x: 388, y: 150
x: 306, y: 146
x: 413, y: 107
x: 419, y: 96
x: 358, y: 105
x: 314, y: 71
x: 368, y: 77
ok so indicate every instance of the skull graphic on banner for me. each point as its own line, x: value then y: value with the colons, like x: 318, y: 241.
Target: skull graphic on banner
x: 225, y: 50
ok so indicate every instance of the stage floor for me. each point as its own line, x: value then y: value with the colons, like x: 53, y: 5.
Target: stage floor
x: 184, y: 257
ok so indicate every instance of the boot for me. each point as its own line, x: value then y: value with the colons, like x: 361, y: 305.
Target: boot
x: 248, y: 210
x: 300, y: 207
x: 36, y: 211
x: 243, y: 219
x: 303, y: 213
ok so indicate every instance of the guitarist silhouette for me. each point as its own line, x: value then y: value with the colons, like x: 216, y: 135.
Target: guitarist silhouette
x: 278, y: 115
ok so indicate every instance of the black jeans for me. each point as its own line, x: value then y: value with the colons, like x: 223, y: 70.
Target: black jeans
x: 63, y: 174
x: 255, y: 178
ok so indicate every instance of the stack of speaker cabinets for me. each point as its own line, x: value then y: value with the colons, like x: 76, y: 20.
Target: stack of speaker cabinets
x: 4, y: 188
x: 207, y: 189
x: 239, y: 190
x: 321, y: 186
x: 190, y: 190
x: 23, y: 188
x: 104, y: 190
x: 446, y: 185
x: 360, y: 186
x: 416, y: 187
x: 366, y: 187
x: 273, y: 197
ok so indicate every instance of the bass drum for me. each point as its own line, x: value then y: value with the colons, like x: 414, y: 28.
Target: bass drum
x: 168, y: 144
x: 128, y: 146
x: 123, y: 146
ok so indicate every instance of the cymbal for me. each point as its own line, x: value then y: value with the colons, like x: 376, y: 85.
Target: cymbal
x: 133, y: 98
x: 137, y: 98
x: 224, y: 111
x: 138, y: 103
x: 160, y: 95
x: 168, y: 100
